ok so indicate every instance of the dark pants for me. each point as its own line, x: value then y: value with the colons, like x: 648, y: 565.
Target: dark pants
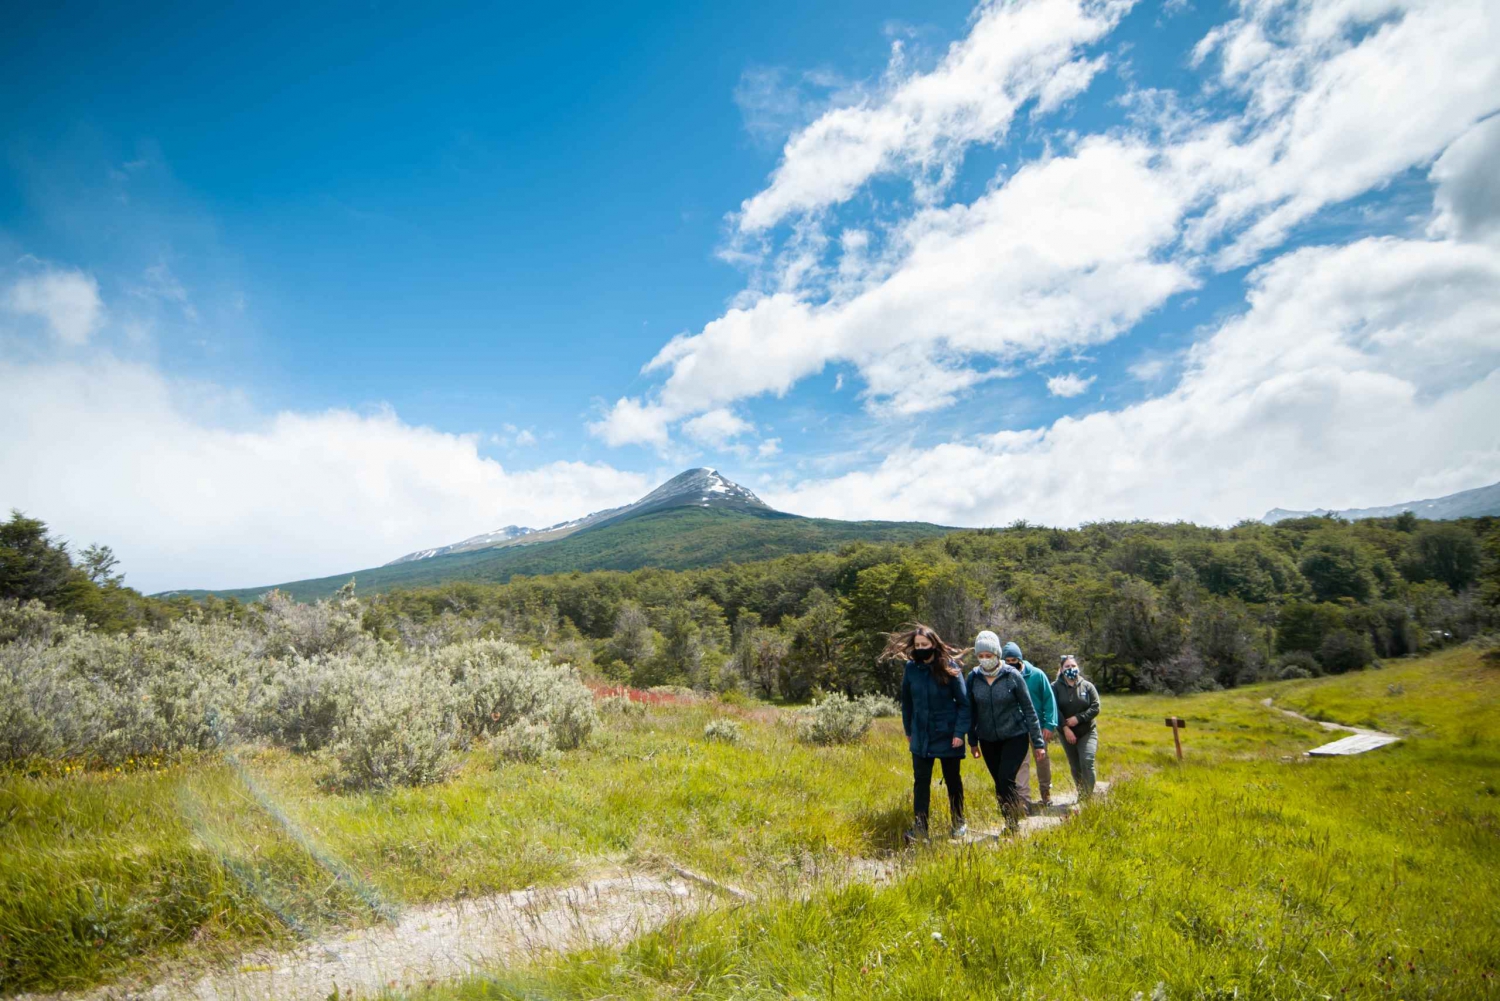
x: 921, y: 789
x: 1003, y: 758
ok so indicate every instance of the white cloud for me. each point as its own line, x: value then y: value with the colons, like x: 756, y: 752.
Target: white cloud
x: 1065, y: 254
x: 1344, y: 94
x: 1148, y: 369
x: 67, y: 301
x: 193, y: 492
x: 632, y: 422
x: 1069, y: 385
x: 1014, y: 52
x: 716, y: 428
x: 768, y: 448
x: 1074, y: 248
x: 1359, y: 375
x: 1467, y: 176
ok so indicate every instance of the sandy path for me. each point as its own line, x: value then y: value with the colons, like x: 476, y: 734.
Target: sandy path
x: 434, y: 943
x: 444, y: 941
x: 1361, y: 741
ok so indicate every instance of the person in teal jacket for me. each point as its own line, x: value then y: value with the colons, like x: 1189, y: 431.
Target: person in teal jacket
x: 1045, y: 703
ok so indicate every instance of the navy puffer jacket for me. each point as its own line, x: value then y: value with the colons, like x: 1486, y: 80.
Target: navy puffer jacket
x: 932, y: 714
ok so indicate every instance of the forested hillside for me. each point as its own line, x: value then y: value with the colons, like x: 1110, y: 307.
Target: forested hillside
x: 677, y: 538
x: 1147, y: 606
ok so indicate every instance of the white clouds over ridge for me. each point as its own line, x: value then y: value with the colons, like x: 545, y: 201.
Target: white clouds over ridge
x: 1358, y: 371
x: 110, y: 451
x: 1305, y: 105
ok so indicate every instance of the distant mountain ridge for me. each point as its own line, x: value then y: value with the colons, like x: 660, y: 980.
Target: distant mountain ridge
x: 699, y: 518
x: 1474, y: 503
x: 695, y: 487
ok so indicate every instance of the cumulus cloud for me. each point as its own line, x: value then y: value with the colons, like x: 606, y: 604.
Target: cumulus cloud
x: 716, y: 428
x: 1069, y: 384
x: 1332, y: 99
x: 1358, y: 374
x: 66, y: 301
x: 1014, y: 52
x: 191, y: 491
x: 1468, y: 184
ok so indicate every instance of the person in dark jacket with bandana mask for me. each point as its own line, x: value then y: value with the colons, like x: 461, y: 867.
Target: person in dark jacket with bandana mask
x: 935, y: 717
x: 1004, y: 727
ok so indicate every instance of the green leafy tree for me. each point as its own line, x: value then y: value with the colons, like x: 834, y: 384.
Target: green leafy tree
x: 1445, y: 552
x: 1338, y: 567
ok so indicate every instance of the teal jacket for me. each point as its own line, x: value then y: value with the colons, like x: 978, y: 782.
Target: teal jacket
x: 1039, y: 687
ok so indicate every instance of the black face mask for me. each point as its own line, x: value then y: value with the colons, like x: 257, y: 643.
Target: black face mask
x: 923, y: 656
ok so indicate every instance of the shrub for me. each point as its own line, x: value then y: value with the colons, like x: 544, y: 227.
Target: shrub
x: 526, y: 741
x: 621, y: 705
x: 1298, y: 664
x: 836, y: 719
x: 1345, y: 650
x: 325, y: 627
x: 399, y: 733
x: 1180, y: 674
x: 495, y: 684
x: 304, y: 703
x: 880, y: 706
x: 725, y: 731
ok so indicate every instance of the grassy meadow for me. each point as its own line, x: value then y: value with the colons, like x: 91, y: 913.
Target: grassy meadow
x: 1242, y: 874
x: 1249, y: 871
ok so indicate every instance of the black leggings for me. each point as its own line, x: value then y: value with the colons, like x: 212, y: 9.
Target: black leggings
x: 921, y: 789
x: 1003, y: 758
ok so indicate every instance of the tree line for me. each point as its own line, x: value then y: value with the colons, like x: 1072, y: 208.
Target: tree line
x: 1146, y: 606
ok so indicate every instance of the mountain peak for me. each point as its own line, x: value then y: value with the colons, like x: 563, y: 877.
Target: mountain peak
x: 701, y: 487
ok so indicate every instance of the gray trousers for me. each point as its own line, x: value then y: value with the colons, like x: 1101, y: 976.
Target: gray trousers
x: 1081, y: 761
x: 1043, y: 777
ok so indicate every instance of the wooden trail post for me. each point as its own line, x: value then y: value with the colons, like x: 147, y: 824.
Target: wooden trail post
x: 1178, y: 724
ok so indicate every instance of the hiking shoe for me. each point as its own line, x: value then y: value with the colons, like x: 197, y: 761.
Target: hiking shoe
x: 916, y: 833
x: 960, y: 830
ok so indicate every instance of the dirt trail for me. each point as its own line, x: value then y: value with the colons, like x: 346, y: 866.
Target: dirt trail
x: 454, y: 939
x: 1363, y: 739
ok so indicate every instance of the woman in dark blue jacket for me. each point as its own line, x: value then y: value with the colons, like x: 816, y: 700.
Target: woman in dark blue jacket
x: 935, y: 716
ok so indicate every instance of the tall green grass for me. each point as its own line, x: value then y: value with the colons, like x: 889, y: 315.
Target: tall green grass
x: 1236, y: 875
x: 109, y: 873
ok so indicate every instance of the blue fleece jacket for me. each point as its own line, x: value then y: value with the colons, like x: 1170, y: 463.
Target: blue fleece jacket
x: 1039, y: 687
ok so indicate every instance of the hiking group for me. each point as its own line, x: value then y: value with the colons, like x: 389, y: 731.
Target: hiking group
x: 1008, y: 711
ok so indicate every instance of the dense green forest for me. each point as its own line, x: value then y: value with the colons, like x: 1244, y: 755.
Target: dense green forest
x: 1146, y: 606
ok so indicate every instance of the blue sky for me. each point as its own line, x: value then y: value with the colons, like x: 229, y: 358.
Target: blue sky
x: 350, y: 281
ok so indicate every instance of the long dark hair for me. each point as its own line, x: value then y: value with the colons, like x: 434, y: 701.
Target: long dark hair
x: 899, y: 645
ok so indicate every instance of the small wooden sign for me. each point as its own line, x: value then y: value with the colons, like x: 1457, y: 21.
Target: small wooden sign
x: 1178, y: 724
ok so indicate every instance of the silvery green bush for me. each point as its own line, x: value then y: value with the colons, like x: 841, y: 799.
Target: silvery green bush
x: 725, y: 731
x: 295, y: 676
x: 621, y: 705
x: 835, y: 719
x: 525, y: 740
x: 880, y: 706
x: 496, y: 683
x: 400, y: 732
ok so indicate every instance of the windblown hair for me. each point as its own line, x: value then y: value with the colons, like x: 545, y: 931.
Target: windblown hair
x: 899, y: 646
